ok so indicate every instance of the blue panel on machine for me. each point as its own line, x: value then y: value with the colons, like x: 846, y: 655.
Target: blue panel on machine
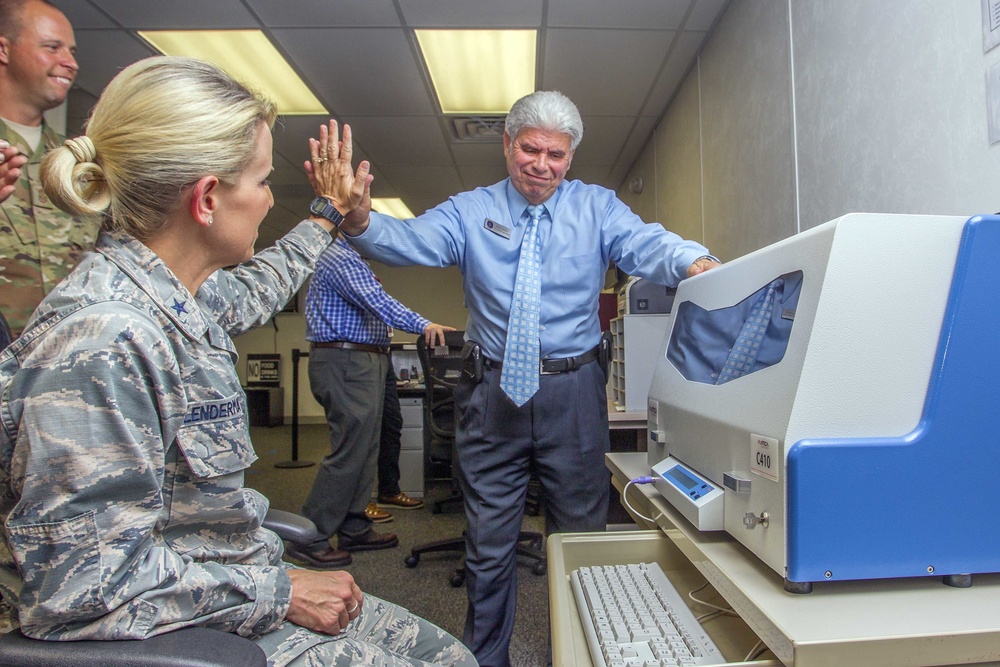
x: 920, y: 504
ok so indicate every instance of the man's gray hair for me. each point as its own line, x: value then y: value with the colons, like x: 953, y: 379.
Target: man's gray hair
x: 545, y: 110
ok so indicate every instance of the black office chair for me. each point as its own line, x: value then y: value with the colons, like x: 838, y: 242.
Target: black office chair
x: 188, y: 647
x: 442, y: 366
x: 442, y: 369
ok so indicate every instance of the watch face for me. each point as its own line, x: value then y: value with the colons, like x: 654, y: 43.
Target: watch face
x: 322, y: 207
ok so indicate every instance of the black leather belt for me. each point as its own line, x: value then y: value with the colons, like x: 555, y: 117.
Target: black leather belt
x: 344, y: 345
x: 553, y: 366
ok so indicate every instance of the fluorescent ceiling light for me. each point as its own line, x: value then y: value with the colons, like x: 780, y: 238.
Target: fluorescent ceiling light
x: 479, y: 71
x: 248, y: 56
x: 392, y: 206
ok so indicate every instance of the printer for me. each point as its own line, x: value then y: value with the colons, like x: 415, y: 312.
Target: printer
x: 638, y: 296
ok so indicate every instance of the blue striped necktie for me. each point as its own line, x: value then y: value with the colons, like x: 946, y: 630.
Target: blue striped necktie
x: 519, y: 376
x: 743, y: 355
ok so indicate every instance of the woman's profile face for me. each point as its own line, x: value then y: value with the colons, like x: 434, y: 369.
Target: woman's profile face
x: 242, y: 206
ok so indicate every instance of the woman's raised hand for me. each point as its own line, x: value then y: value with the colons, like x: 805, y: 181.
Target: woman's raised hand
x: 330, y: 171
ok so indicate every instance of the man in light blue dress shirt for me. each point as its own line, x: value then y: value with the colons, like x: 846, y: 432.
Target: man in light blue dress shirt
x: 561, y: 432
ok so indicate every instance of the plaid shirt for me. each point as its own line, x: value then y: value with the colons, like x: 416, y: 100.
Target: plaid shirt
x: 345, y: 302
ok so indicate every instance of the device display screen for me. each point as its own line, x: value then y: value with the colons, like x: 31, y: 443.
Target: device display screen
x: 677, y: 474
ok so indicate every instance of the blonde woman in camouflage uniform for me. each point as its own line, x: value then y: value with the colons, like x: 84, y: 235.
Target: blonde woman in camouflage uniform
x: 123, y: 428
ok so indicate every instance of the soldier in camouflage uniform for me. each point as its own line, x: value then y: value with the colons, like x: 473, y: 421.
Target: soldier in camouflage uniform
x: 39, y: 244
x: 124, y: 434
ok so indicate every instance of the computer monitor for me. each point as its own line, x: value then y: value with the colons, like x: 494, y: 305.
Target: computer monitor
x: 862, y: 441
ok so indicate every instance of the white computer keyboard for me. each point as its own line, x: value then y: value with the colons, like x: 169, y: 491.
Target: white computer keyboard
x: 633, y: 615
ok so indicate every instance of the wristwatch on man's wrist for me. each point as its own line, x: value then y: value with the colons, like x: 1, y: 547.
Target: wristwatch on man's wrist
x: 324, y: 208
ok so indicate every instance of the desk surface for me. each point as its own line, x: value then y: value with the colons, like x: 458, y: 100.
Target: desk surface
x: 410, y: 389
x: 878, y: 623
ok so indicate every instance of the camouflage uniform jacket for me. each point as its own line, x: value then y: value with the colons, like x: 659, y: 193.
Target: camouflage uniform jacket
x: 123, y: 444
x: 39, y: 243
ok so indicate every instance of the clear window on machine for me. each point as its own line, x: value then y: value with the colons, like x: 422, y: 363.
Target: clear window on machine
x: 719, y: 346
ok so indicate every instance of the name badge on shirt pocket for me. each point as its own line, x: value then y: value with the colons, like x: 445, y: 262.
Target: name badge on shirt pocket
x: 496, y: 228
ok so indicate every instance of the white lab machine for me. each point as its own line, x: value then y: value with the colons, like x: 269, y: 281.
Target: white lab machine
x: 870, y: 447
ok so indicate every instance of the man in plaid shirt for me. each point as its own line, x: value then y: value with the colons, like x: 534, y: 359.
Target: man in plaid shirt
x: 349, y: 318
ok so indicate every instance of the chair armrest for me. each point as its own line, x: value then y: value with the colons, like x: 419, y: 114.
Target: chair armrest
x: 187, y: 647
x: 292, y: 527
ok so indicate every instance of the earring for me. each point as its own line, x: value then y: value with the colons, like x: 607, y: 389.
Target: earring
x: 210, y: 219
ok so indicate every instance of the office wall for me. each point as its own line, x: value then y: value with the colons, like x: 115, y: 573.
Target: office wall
x: 799, y: 111
x: 434, y: 293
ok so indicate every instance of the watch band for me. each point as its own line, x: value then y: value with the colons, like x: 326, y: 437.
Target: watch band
x: 324, y: 208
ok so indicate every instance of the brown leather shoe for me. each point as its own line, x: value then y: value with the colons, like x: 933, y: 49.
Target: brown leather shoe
x: 402, y: 501
x: 325, y: 559
x: 370, y: 541
x: 376, y: 514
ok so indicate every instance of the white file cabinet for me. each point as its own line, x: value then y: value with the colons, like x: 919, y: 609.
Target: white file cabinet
x: 411, y: 455
x: 637, y: 341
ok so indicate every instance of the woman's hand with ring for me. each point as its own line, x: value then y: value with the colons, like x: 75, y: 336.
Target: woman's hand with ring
x: 330, y: 171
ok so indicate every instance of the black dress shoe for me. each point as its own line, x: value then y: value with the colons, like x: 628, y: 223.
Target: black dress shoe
x: 370, y: 541
x: 324, y: 559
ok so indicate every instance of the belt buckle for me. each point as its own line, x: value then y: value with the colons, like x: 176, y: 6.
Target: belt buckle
x: 542, y: 371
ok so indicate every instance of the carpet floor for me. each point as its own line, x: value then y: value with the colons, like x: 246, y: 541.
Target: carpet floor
x: 425, y: 589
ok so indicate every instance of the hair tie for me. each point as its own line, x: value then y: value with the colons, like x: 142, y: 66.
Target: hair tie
x: 82, y: 148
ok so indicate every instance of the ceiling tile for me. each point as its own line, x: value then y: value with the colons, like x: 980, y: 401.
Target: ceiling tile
x: 635, y: 14
x: 180, y: 14
x: 419, y: 187
x: 628, y: 58
x: 325, y: 14
x: 299, y: 191
x: 603, y: 137
x: 286, y: 172
x: 292, y: 133
x: 478, y: 14
x: 107, y: 53
x: 392, y: 140
x: 472, y: 154
x: 360, y: 71
x: 82, y: 14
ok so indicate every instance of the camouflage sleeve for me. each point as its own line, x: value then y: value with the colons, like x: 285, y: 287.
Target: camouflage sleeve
x: 99, y: 403
x: 250, y: 294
